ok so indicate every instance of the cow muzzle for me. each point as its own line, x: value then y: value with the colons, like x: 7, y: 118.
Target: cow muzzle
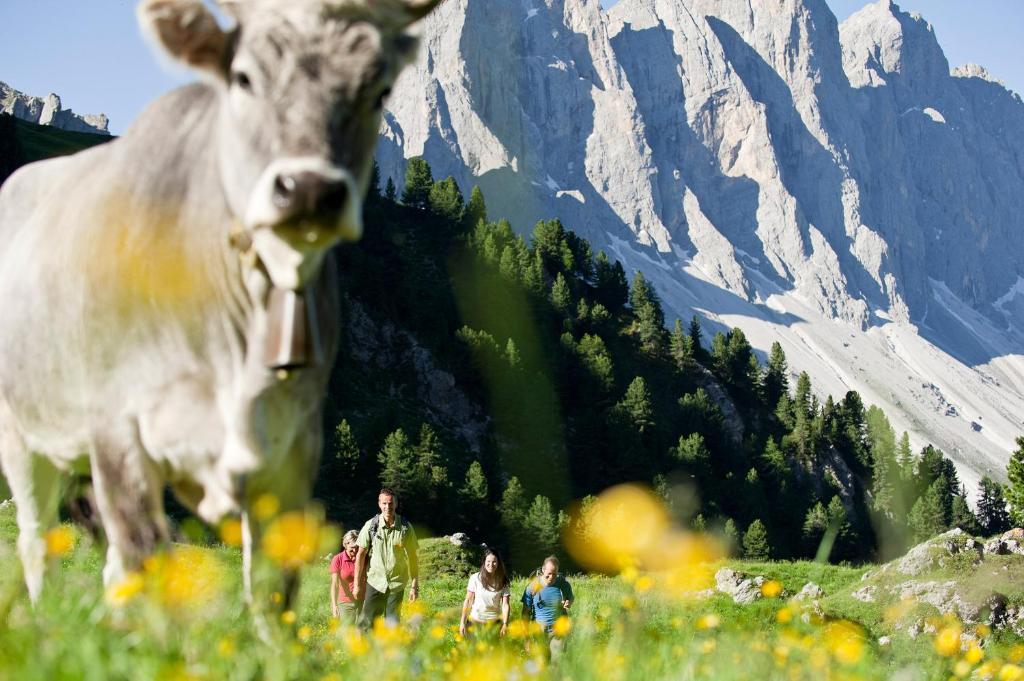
x: 298, y: 210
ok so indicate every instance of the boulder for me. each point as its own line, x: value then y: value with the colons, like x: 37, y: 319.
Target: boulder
x: 741, y: 588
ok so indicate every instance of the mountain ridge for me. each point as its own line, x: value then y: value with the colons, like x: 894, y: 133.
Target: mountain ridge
x: 833, y: 186
x: 49, y: 111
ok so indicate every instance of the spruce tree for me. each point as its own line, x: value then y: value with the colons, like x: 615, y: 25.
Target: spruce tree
x: 731, y: 534
x: 927, y: 517
x: 346, y: 449
x: 474, y: 491
x: 775, y: 382
x: 476, y: 209
x: 1015, y: 487
x: 755, y: 542
x: 390, y: 191
x: 398, y: 464
x: 611, y: 288
x: 681, y: 347
x: 636, y: 405
x: 561, y: 297
x: 816, y: 523
x: 418, y: 183
x: 446, y: 200
x: 963, y: 517
x: 992, y: 514
x: 541, y: 526
x: 373, y: 191
x: 696, y: 337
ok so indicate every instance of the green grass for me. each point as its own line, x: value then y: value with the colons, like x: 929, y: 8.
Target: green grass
x: 620, y: 630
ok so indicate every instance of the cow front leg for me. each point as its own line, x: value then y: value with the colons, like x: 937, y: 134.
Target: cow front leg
x: 129, y: 498
x: 35, y: 485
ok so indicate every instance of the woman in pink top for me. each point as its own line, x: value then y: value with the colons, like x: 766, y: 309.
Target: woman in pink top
x: 343, y: 572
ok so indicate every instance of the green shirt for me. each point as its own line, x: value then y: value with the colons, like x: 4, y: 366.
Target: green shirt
x: 393, y: 549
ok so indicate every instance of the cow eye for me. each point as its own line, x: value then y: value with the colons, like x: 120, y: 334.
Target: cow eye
x: 242, y: 80
x: 379, y: 104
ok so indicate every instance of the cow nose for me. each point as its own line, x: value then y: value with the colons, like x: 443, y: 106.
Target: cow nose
x: 309, y: 194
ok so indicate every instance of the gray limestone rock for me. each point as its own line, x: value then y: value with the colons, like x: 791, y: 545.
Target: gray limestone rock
x: 741, y: 588
x: 49, y: 111
x: 833, y: 187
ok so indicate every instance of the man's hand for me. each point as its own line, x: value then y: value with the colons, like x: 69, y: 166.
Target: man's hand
x: 357, y: 591
x: 414, y: 593
x: 566, y: 604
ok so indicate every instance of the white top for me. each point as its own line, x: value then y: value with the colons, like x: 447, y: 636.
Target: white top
x: 486, y: 603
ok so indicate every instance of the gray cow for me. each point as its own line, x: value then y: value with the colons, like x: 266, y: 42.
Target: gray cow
x: 168, y: 304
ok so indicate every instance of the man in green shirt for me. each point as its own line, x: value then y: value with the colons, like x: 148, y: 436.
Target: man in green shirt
x: 389, y: 542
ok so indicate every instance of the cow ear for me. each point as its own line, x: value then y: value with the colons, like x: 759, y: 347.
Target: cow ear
x: 188, y: 32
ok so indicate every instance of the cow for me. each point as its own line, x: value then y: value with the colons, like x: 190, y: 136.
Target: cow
x: 169, y: 312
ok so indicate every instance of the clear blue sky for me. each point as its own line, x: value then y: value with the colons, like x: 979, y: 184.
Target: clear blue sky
x: 91, y: 54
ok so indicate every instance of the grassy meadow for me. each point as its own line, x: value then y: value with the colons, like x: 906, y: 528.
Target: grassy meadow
x: 182, y: 618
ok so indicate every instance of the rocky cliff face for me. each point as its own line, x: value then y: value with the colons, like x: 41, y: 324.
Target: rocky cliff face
x: 834, y: 187
x: 48, y: 111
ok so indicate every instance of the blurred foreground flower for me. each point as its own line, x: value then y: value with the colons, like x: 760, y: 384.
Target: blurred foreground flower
x: 296, y: 538
x: 60, y: 541
x: 947, y: 641
x: 771, y: 589
x: 846, y: 641
x: 121, y: 593
x: 231, y: 532
x: 627, y: 528
x: 184, y: 578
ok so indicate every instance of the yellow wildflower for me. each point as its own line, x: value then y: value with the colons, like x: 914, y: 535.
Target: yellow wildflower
x: 266, y: 506
x: 121, y: 593
x: 947, y: 641
x: 1010, y: 672
x: 962, y: 668
x: 226, y: 648
x: 1016, y: 653
x: 562, y: 627
x: 644, y: 583
x: 771, y: 589
x: 437, y: 632
x: 974, y: 654
x: 293, y: 539
x: 304, y: 632
x: 845, y: 640
x: 784, y: 615
x: 709, y: 621
x: 517, y: 629
x: 355, y: 642
x: 60, y: 541
x: 708, y: 646
x: 231, y: 532
x: 185, y: 577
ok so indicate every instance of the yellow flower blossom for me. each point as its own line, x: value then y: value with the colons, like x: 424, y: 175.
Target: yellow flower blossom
x: 226, y: 648
x: 562, y: 627
x: 974, y: 654
x: 708, y: 646
x: 60, y: 541
x: 845, y: 640
x: 124, y: 591
x: 771, y: 589
x: 1016, y: 653
x: 517, y: 629
x: 266, y: 506
x: 437, y: 632
x: 288, y: 617
x: 231, y: 532
x: 356, y: 644
x: 709, y: 621
x: 947, y: 641
x: 304, y: 632
x: 185, y: 577
x: 293, y: 539
x: 962, y: 668
x: 784, y: 615
x: 1010, y: 672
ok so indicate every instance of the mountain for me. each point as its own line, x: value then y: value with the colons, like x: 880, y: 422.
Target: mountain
x: 49, y: 111
x: 838, y: 188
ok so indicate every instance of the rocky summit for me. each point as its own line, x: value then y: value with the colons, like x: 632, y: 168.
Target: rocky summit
x: 49, y: 111
x: 836, y: 187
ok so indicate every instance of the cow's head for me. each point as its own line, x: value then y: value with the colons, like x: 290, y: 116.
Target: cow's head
x: 302, y: 84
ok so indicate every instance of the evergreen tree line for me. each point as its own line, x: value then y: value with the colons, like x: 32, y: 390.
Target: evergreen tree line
x: 585, y: 387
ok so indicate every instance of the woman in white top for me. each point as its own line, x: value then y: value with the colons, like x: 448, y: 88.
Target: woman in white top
x: 487, y: 595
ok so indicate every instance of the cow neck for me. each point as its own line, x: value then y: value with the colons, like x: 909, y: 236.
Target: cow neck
x: 292, y: 338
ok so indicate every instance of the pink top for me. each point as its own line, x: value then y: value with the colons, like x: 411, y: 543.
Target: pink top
x: 346, y: 569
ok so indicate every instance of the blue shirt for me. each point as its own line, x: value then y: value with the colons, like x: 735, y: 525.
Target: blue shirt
x: 544, y: 603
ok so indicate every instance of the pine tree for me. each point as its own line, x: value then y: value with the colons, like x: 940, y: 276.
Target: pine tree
x: 681, y: 347
x: 446, y: 200
x: 647, y: 308
x: 755, y: 542
x: 513, y: 506
x: 373, y: 191
x: 992, y: 514
x: 346, y: 449
x: 1015, y: 487
x: 636, y: 405
x: 541, y: 525
x: 905, y: 457
x: 775, y: 382
x: 963, y: 516
x: 418, y: 183
x: 816, y: 523
x: 693, y: 454
x: 927, y: 517
x: 474, y: 491
x: 561, y: 297
x: 476, y: 209
x: 731, y: 534
x: 398, y: 464
x: 390, y: 191
x: 696, y: 337
x: 611, y: 288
